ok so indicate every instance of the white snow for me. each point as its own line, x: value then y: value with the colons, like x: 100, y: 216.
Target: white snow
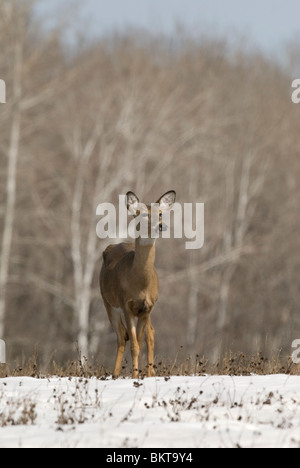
x: 182, y: 412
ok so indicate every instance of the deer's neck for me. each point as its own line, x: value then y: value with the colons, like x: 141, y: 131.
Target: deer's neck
x: 144, y: 258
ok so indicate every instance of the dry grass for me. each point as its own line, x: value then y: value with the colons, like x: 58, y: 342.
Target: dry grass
x: 230, y: 364
x: 17, y: 411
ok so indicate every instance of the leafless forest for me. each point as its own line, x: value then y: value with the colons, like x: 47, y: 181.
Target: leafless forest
x: 137, y: 112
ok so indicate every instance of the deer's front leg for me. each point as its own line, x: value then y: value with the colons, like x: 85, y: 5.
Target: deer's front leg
x: 150, y: 347
x: 144, y: 324
x: 135, y: 348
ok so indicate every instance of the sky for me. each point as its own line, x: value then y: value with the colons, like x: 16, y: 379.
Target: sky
x: 267, y: 24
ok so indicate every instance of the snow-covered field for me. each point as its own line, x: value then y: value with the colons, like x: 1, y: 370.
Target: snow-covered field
x: 180, y: 412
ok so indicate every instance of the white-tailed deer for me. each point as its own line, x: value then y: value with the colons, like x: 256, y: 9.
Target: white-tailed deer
x: 129, y: 283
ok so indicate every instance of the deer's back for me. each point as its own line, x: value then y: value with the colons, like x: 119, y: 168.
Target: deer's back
x: 115, y: 253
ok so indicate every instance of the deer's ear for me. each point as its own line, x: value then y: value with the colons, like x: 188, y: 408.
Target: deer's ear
x: 132, y: 203
x: 167, y: 201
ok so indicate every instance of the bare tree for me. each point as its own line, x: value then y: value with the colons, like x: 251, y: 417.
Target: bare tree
x: 22, y: 61
x: 13, y: 154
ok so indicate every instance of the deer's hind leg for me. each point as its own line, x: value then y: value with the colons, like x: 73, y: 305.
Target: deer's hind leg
x: 115, y: 317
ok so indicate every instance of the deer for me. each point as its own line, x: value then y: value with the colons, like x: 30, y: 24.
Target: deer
x: 129, y: 283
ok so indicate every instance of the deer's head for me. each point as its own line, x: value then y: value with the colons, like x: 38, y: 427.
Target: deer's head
x: 150, y: 217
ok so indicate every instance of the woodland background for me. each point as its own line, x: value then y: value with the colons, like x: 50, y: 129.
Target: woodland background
x: 133, y: 111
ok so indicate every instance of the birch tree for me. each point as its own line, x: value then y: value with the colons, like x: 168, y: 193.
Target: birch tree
x: 12, y: 152
x: 22, y: 61
x: 238, y: 219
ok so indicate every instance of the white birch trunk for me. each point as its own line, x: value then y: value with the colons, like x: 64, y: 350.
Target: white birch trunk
x: 83, y: 265
x: 235, y: 234
x: 13, y: 153
x: 192, y: 310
